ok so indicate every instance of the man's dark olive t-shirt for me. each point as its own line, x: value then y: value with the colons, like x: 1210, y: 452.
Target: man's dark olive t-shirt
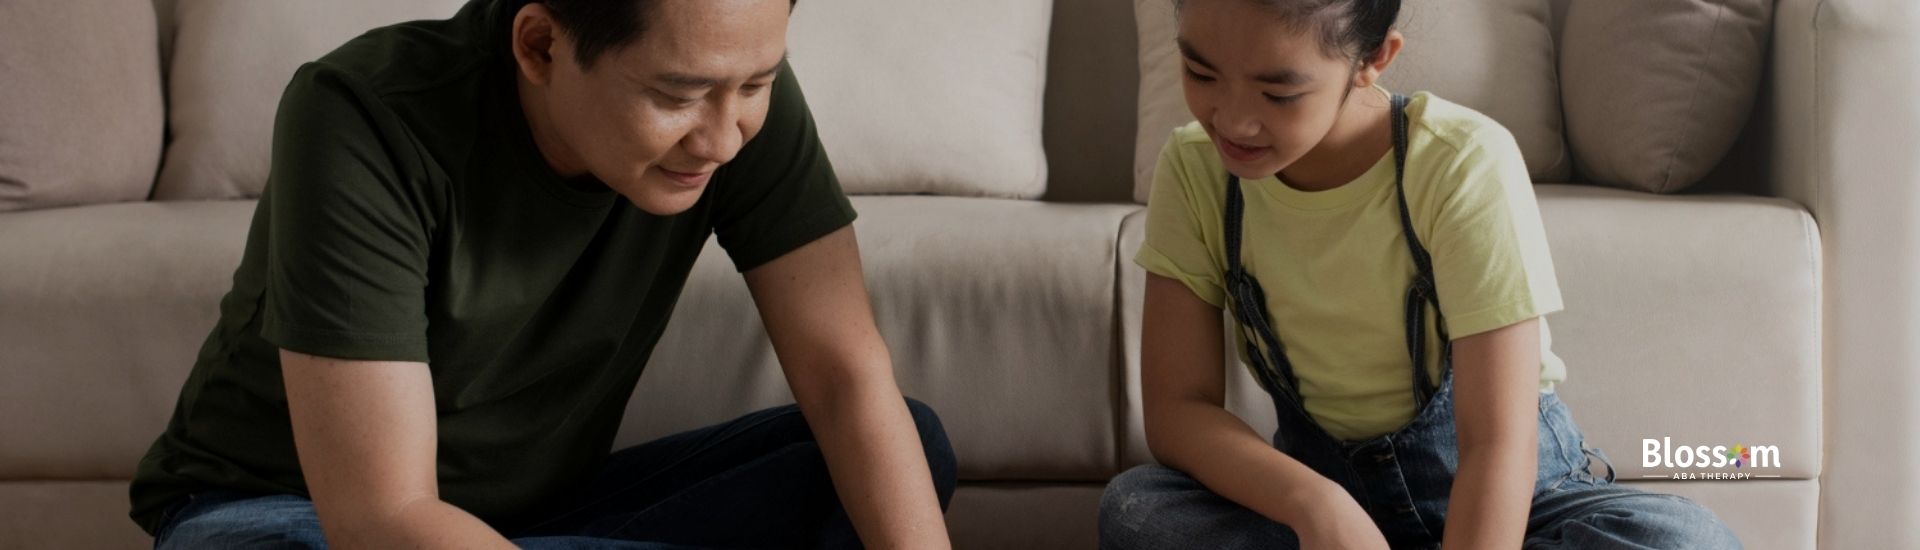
x: 409, y: 217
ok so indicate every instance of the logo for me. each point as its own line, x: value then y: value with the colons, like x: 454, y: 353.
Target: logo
x: 1661, y: 453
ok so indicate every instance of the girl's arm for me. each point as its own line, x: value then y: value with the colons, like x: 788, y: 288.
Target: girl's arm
x: 1189, y: 428
x: 1496, y: 408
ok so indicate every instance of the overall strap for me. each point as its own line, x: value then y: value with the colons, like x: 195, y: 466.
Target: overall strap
x: 1247, y: 300
x: 1248, y: 303
x: 1423, y: 290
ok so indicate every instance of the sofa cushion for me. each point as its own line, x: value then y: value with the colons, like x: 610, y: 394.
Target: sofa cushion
x: 928, y: 97
x: 105, y: 308
x: 1690, y: 318
x: 71, y: 515
x: 998, y: 313
x: 231, y: 60
x: 82, y: 120
x: 1657, y: 90
x: 1495, y: 56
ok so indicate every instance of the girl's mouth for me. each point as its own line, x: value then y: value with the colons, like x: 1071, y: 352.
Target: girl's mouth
x: 1239, y: 152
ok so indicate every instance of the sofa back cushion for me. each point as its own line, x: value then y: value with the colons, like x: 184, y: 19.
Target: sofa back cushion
x: 927, y: 97
x: 1495, y: 56
x: 83, y: 117
x: 1658, y: 90
x: 231, y: 60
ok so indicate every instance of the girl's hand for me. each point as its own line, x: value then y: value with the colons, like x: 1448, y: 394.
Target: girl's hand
x: 1338, y: 523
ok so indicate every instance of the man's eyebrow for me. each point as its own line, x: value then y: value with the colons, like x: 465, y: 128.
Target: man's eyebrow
x: 1187, y: 50
x: 682, y: 80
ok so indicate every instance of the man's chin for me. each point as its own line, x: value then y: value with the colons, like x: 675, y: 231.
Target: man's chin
x: 663, y: 200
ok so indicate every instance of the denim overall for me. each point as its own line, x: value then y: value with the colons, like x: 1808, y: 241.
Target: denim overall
x: 1403, y: 478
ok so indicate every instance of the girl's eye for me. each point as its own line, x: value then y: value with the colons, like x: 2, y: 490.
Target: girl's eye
x: 752, y: 89
x: 1197, y: 77
x: 1282, y: 100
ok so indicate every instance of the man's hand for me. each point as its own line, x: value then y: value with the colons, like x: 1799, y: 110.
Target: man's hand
x: 814, y: 303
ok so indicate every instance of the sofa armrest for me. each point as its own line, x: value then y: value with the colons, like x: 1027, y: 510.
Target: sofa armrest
x: 1846, y: 143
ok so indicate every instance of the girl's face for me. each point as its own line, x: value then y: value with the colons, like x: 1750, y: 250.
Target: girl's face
x: 1263, y: 88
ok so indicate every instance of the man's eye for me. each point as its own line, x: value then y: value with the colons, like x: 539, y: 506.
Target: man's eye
x: 752, y: 89
x: 1197, y: 77
x: 675, y: 101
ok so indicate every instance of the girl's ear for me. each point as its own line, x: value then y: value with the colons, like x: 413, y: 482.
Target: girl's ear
x: 1371, y: 68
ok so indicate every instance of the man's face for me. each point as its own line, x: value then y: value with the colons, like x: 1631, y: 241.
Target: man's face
x: 655, y: 117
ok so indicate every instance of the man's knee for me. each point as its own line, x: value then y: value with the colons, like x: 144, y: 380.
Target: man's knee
x: 939, y: 451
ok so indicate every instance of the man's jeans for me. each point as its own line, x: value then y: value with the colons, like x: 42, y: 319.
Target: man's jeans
x: 758, y: 481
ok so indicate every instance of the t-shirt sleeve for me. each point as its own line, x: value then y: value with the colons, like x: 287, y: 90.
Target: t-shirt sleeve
x: 1180, y: 214
x: 779, y: 192
x: 1489, y: 248
x: 348, y: 231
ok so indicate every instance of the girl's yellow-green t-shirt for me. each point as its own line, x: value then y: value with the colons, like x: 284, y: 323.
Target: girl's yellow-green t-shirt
x: 1335, y: 266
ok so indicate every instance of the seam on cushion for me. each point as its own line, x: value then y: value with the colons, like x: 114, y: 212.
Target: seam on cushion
x: 1117, y: 387
x: 1666, y: 183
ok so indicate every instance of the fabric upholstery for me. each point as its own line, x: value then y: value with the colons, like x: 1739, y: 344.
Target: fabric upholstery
x: 106, y: 306
x: 950, y: 105
x: 231, y: 59
x: 1092, y: 76
x: 68, y: 514
x: 1005, y: 327
x: 82, y: 121
x: 1024, y: 515
x: 1844, y: 77
x: 1657, y: 90
x: 1493, y: 56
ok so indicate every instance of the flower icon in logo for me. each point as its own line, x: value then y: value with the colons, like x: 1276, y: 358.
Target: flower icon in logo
x: 1740, y: 455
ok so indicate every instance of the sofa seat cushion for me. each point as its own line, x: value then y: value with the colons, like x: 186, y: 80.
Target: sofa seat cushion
x: 102, y: 311
x: 1690, y: 320
x: 998, y: 313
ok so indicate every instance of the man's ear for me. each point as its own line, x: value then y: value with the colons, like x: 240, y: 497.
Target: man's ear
x: 538, y: 43
x: 1370, y: 69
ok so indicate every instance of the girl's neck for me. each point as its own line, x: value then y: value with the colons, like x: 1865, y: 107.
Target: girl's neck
x: 1359, y: 137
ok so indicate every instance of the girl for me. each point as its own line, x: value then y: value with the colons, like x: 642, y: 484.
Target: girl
x: 1386, y: 268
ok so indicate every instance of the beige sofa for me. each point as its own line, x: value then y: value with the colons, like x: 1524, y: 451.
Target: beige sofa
x: 1718, y: 317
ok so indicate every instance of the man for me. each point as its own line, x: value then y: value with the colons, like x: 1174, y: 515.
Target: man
x: 472, y: 237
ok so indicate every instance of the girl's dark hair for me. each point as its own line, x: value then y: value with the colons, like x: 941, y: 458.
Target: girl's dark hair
x: 600, y: 25
x: 1355, y: 29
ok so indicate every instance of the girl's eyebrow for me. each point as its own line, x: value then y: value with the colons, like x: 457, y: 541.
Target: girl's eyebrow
x: 1282, y: 77
x: 1186, y: 49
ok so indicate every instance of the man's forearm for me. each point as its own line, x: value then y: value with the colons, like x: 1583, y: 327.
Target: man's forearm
x: 1492, y: 492
x: 874, y: 454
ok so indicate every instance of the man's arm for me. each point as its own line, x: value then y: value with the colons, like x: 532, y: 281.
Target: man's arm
x: 1496, y: 379
x: 366, y: 436
x: 814, y: 303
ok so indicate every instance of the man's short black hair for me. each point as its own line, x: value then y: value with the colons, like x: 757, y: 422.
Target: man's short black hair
x: 601, y: 25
